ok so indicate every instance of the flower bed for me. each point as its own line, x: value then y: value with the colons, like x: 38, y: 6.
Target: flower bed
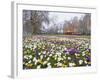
x: 54, y: 52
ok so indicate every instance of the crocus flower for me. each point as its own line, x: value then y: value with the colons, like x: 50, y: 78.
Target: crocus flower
x: 88, y: 50
x: 72, y: 51
x: 88, y: 59
x: 36, y: 51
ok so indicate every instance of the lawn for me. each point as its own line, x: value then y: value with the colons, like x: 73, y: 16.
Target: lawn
x: 56, y: 51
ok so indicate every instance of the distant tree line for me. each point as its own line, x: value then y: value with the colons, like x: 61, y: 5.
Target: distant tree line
x: 38, y: 22
x: 79, y: 26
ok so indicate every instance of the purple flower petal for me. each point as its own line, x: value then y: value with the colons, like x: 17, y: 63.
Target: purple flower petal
x: 88, y: 59
x: 73, y: 51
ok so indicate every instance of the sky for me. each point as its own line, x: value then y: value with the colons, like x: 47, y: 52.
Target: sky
x: 61, y: 16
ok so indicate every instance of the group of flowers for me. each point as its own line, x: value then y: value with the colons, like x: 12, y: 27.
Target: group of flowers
x: 55, y: 52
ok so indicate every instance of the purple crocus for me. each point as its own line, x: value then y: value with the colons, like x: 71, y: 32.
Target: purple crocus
x: 88, y: 59
x: 89, y: 50
x: 36, y: 53
x: 73, y: 51
x: 66, y: 51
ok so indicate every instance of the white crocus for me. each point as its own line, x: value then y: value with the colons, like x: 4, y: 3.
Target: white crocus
x: 76, y: 54
x: 85, y: 62
x: 45, y: 62
x: 39, y: 53
x: 44, y: 52
x: 39, y: 66
x: 41, y: 56
x: 29, y: 61
x: 59, y: 58
x: 35, y: 62
x: 64, y: 57
x: 48, y: 64
x: 48, y: 59
x: 34, y: 59
x: 26, y: 64
x: 25, y: 57
x: 55, y: 55
x: 83, y: 53
x: 69, y: 58
x: 58, y: 53
x: 71, y: 64
x: 65, y: 48
x: 50, y: 55
x: 59, y: 64
x: 55, y: 58
x: 80, y: 62
x: 35, y: 46
x: 30, y: 56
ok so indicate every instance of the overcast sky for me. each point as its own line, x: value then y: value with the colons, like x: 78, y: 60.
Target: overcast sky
x: 61, y: 16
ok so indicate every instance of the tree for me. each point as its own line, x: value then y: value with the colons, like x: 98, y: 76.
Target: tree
x: 85, y: 24
x: 71, y: 27
x: 33, y: 21
x: 37, y: 18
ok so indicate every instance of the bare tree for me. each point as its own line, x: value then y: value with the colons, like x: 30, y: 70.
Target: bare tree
x: 85, y: 25
x: 37, y: 17
x: 32, y: 21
